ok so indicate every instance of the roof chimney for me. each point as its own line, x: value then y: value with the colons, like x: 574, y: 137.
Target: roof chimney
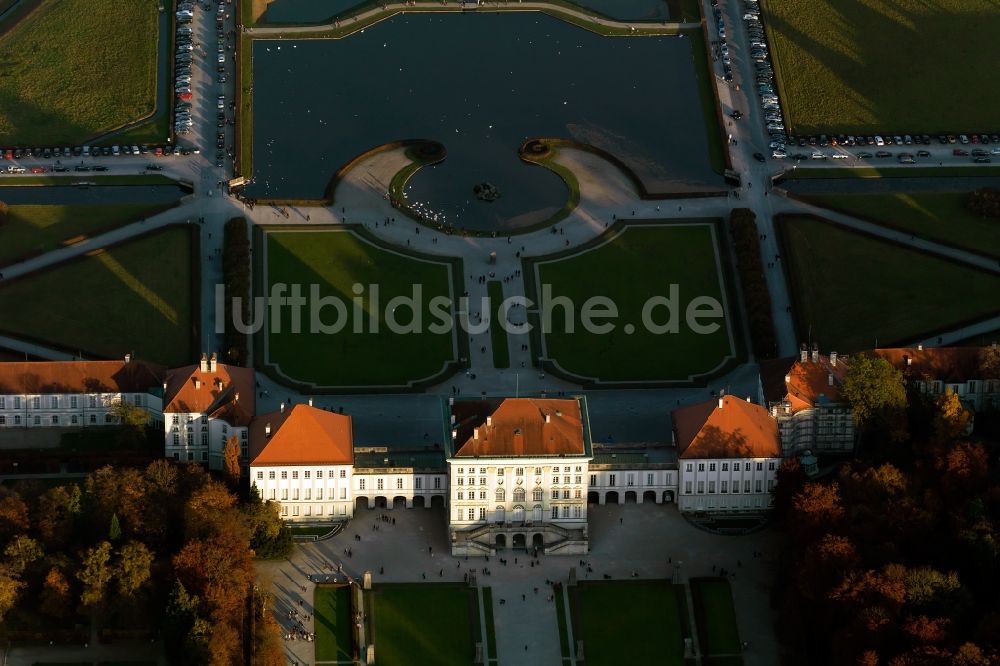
x: 788, y: 379
x: 236, y: 397
x: 833, y: 359
x: 128, y: 358
x: 489, y: 420
x: 815, y: 355
x: 267, y: 430
x: 803, y: 353
x: 475, y: 433
x: 213, y: 362
x: 310, y: 402
x: 558, y: 413
x: 920, y: 347
x: 454, y: 434
x: 909, y: 361
x: 829, y: 379
x: 219, y: 384
x: 197, y: 383
x: 164, y: 386
x: 203, y: 366
x: 548, y: 418
x: 451, y: 401
x: 748, y: 398
x: 281, y: 408
x: 720, y: 401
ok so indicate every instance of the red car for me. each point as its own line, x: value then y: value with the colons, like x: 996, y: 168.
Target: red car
x: 159, y: 151
x: 38, y: 169
x: 9, y: 154
x: 958, y: 152
x: 184, y: 95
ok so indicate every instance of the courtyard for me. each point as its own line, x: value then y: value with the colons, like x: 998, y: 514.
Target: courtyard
x: 651, y: 541
x: 632, y: 264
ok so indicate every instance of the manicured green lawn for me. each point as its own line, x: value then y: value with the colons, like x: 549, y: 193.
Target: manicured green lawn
x: 562, y: 620
x: 75, y: 69
x: 853, y: 292
x: 937, y: 216
x: 871, y: 66
x: 135, y: 297
x: 30, y: 229
x: 642, y: 262
x: 498, y: 337
x: 334, y: 640
x: 716, y: 617
x: 626, y: 622
x: 336, y: 260
x: 424, y: 624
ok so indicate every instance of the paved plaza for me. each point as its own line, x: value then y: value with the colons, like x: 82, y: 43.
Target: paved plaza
x: 645, y: 540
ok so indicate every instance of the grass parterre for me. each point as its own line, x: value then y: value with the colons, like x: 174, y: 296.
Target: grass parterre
x: 875, y: 66
x: 422, y: 623
x: 73, y: 70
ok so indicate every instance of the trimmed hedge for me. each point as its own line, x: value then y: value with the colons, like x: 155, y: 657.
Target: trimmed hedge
x: 236, y: 276
x: 746, y: 241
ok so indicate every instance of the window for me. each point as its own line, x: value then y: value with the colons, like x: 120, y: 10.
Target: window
x: 38, y: 420
x: 630, y: 480
x: 537, y: 494
x: 107, y: 418
x: 3, y: 420
x: 260, y: 475
x: 36, y: 403
x: 295, y: 474
x: 689, y: 467
x: 93, y: 401
x: 270, y: 475
x: 74, y: 419
x: 519, y: 494
x: 519, y: 471
x: 538, y: 471
x: 378, y: 483
x: 418, y: 483
x: 295, y: 510
x: 17, y: 402
x: 770, y: 486
x: 482, y: 470
x: 295, y: 493
x: 770, y: 466
x: 177, y: 442
x: 711, y: 486
x: 204, y: 456
x: 593, y: 479
x: 437, y: 483
x: 701, y: 467
x: 361, y: 484
x: 308, y: 509
x: 284, y: 493
x: 736, y: 486
x: 725, y: 467
x: 343, y: 473
x: 711, y: 467
x: 308, y: 474
x: 687, y: 487
x: 649, y: 479
x: 55, y: 402
x: 284, y: 474
x: 343, y: 493
x: 190, y: 456
x: 578, y: 494
x: 611, y: 478
x: 565, y: 512
x: 272, y: 493
x: 555, y: 494
x: 308, y: 493
x: 701, y: 487
x: 3, y: 402
x: 482, y: 480
x: 760, y: 466
x: 499, y: 471
x: 482, y: 513
x: 17, y: 419
x: 746, y: 485
x: 472, y: 514
x: 566, y: 494
x: 577, y: 513
x: 284, y: 510
x: 461, y: 481
x: 399, y: 483
x: 461, y: 495
x: 461, y: 470
x: 555, y: 512
x: 757, y: 486
x: 746, y: 466
x: 724, y: 487
x: 93, y: 418
x: 319, y: 493
x: 579, y: 468
x: 555, y: 470
x: 204, y: 439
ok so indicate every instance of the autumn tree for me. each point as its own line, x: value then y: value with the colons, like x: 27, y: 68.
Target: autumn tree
x: 989, y: 362
x: 210, y: 509
x: 185, y: 633
x: 231, y: 461
x: 874, y: 388
x: 20, y: 552
x: 56, y: 599
x: 94, y: 573
x: 951, y: 418
x: 58, y: 508
x: 10, y: 586
x: 816, y: 508
x: 13, y: 516
x: 219, y: 570
x: 790, y: 478
x: 133, y: 567
x: 268, y: 647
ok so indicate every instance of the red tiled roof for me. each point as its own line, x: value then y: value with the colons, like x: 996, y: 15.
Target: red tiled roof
x: 302, y: 435
x: 807, y: 381
x: 79, y: 377
x: 738, y: 429
x: 948, y: 364
x: 191, y: 391
x: 518, y: 427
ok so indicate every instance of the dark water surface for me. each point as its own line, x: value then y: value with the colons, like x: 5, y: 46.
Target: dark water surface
x: 93, y: 194
x: 480, y: 84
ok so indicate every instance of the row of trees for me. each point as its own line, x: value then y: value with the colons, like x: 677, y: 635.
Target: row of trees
x: 134, y: 549
x: 236, y: 276
x: 746, y: 240
x: 985, y: 201
x: 896, y: 559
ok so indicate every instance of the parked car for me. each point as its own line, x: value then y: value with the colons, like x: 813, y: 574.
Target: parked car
x: 865, y: 155
x: 883, y: 154
x: 982, y: 160
x: 958, y: 152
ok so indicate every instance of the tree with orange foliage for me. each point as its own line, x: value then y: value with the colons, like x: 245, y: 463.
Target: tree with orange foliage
x: 231, y: 461
x: 13, y: 516
x: 951, y: 418
x: 208, y: 508
x: 56, y: 599
x: 218, y: 569
x: 816, y: 508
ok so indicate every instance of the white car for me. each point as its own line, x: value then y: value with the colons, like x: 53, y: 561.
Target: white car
x: 818, y: 155
x: 839, y: 156
x: 995, y: 151
x: 779, y: 154
x: 879, y: 141
x: 222, y: 57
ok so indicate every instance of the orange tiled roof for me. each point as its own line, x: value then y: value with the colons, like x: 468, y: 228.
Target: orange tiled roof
x: 738, y: 429
x: 807, y: 381
x: 302, y: 435
x: 518, y: 427
x: 947, y: 364
x: 79, y: 377
x: 191, y: 391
